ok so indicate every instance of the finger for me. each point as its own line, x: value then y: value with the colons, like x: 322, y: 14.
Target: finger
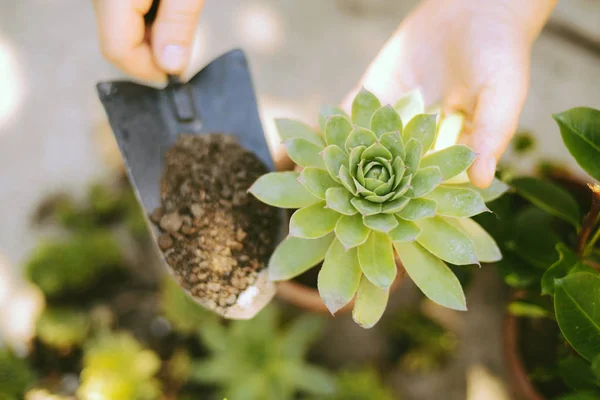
x: 173, y: 33
x: 121, y: 33
x: 494, y: 123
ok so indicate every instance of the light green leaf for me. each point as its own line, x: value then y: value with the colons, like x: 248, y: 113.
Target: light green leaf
x: 577, y: 307
x: 485, y: 247
x: 405, y: 232
x: 394, y: 206
x: 457, y: 202
x: 360, y: 137
x: 399, y: 169
x: 410, y: 105
x: 379, y: 199
x: 549, y: 197
x: 334, y: 158
x: 338, y: 199
x: 310, y: 379
x: 413, y: 156
x: 567, y: 261
x: 339, y: 276
x: 364, y: 105
x: 329, y: 111
x: 366, y: 207
x: 417, y: 209
x: 432, y: 276
x: 300, y: 334
x: 316, y: 181
x: 528, y: 310
x: 580, y: 130
x: 351, y: 231
x: 424, y: 181
x: 290, y: 129
x: 305, y: 153
x: 402, y: 187
x: 449, y: 131
x: 376, y: 150
x: 376, y: 258
x: 337, y: 130
x: 370, y: 304
x: 422, y: 128
x: 445, y: 241
x: 294, y: 256
x: 491, y: 193
x: 393, y: 142
x: 359, y: 187
x: 380, y: 222
x: 346, y: 180
x: 384, y: 120
x: 282, y: 189
x: 451, y: 161
x: 313, y: 221
x: 355, y: 157
x: 216, y: 370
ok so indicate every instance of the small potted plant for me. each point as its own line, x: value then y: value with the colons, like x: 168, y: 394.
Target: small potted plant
x: 383, y: 182
x: 551, y: 259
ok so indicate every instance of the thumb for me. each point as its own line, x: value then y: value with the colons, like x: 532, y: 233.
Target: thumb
x: 495, y: 121
x: 173, y: 33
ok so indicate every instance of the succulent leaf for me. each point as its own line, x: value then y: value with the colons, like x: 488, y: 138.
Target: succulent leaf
x: 446, y: 242
x: 295, y: 255
x: 394, y: 206
x: 290, y: 129
x: 379, y: 199
x: 370, y: 304
x: 346, y: 180
x: 457, y: 202
x: 410, y: 105
x: 337, y: 129
x: 316, y: 181
x: 366, y: 207
x: 338, y: 199
x: 451, y: 161
x: 329, y: 111
x: 399, y: 169
x: 334, y: 157
x: 360, y: 137
x: 432, y: 276
x: 355, y: 157
x: 384, y: 120
x: 380, y: 222
x: 413, y: 156
x: 491, y: 193
x: 376, y: 150
x: 364, y: 105
x: 313, y: 222
x: 405, y: 232
x: 339, y: 276
x: 485, y: 247
x: 424, y: 181
x: 393, y: 142
x: 282, y: 189
x: 351, y: 231
x: 417, y: 209
x: 304, y: 153
x: 422, y: 128
x: 403, y: 187
x: 376, y: 258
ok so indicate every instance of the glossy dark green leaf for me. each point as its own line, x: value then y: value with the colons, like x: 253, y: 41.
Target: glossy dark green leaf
x: 339, y: 276
x: 364, y: 105
x: 567, y: 261
x: 351, y: 231
x: 316, y: 181
x: 457, y: 202
x: 338, y: 199
x: 305, y: 153
x: 294, y: 256
x: 313, y: 221
x: 337, y: 129
x: 333, y: 159
x: 290, y: 129
x: 451, y: 161
x: 282, y: 189
x: 577, y: 307
x: 424, y: 181
x: 577, y: 373
x: 549, y: 197
x: 422, y: 128
x: 384, y: 120
x: 376, y: 258
x: 580, y: 130
x: 329, y: 111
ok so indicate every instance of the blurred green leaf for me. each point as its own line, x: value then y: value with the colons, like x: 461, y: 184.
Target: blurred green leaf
x: 529, y: 310
x: 409, y: 105
x: 290, y: 129
x: 304, y: 153
x: 577, y: 373
x: 567, y: 261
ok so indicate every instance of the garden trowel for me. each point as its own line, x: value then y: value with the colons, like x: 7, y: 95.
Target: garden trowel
x: 146, y: 122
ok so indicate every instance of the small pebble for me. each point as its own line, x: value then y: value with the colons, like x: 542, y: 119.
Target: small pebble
x: 171, y: 222
x: 165, y: 241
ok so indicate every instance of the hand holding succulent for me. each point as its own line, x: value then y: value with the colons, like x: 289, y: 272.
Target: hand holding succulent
x: 389, y: 178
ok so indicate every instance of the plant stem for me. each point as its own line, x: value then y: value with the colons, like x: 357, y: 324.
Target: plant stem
x: 589, y: 221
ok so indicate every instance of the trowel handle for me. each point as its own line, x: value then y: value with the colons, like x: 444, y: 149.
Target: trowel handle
x: 149, y: 19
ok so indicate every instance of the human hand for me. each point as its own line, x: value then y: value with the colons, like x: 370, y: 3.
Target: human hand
x: 147, y: 53
x: 473, y: 57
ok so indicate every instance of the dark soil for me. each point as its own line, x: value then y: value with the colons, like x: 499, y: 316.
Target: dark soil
x: 215, y: 235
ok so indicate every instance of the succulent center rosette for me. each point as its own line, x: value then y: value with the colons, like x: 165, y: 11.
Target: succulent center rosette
x: 386, y: 178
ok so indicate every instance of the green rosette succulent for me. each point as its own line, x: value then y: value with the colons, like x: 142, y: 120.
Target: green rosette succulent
x: 385, y: 178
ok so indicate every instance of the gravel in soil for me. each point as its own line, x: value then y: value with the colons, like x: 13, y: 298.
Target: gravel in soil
x: 215, y: 236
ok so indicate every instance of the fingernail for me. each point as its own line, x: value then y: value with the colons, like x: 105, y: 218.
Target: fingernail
x: 173, y: 57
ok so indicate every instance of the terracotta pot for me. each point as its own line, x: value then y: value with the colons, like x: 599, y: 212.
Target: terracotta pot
x: 308, y: 298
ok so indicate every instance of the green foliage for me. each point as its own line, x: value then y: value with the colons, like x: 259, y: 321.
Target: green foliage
x: 116, y: 366
x: 381, y: 177
x: 62, y: 328
x: 363, y: 384
x: 15, y: 375
x: 186, y: 316
x: 268, y: 357
x: 74, y: 264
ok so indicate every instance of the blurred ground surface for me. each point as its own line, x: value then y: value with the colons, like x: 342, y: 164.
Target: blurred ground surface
x: 302, y: 54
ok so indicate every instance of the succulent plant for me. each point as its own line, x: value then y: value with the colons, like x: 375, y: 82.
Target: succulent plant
x: 256, y: 360
x: 116, y: 366
x: 387, y: 178
x: 62, y: 328
x: 362, y: 384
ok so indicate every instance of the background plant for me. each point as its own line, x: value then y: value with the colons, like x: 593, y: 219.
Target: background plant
x: 388, y: 178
